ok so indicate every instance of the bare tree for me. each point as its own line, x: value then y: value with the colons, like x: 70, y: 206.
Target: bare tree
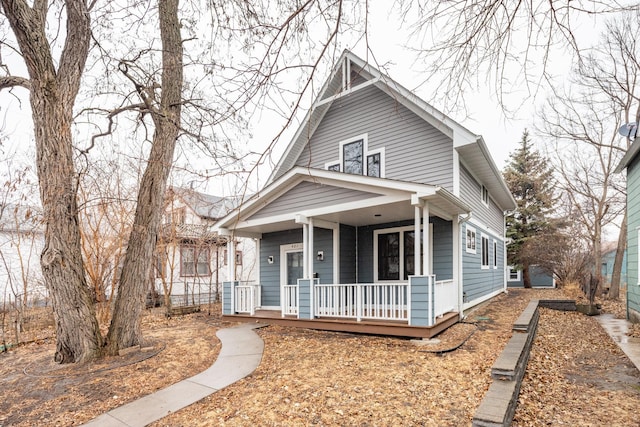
x: 583, y: 123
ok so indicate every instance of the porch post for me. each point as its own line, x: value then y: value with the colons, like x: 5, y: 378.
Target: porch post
x: 305, y: 251
x: 231, y: 259
x: 312, y: 257
x: 425, y: 239
x: 416, y: 241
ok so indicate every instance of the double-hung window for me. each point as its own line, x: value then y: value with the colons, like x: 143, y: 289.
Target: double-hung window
x: 194, y: 261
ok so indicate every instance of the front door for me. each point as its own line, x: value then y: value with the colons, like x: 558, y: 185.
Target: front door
x: 291, y: 269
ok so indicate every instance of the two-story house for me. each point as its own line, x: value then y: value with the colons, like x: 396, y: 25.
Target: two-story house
x: 382, y: 216
x: 191, y: 258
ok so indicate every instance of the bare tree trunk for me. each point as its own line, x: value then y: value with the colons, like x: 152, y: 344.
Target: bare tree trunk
x: 526, y: 278
x: 53, y: 94
x: 614, y: 288
x: 125, y: 329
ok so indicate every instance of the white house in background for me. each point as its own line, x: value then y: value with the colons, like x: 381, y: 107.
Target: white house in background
x: 382, y: 216
x: 192, y: 260
x: 21, y: 243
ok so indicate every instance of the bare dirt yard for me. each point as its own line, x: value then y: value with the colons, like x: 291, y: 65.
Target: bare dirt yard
x: 576, y: 375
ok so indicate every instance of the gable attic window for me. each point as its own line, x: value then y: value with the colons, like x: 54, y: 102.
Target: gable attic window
x: 484, y: 195
x: 356, y: 158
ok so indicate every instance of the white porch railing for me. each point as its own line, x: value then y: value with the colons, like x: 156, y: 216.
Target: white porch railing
x: 379, y: 301
x: 247, y: 298
x: 445, y: 296
x: 290, y: 300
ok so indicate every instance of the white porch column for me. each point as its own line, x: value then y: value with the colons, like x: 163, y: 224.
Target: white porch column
x: 425, y: 239
x: 231, y: 259
x: 305, y: 251
x: 416, y: 241
x: 311, y: 255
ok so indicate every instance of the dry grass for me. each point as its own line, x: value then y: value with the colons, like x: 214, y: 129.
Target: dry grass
x: 325, y: 378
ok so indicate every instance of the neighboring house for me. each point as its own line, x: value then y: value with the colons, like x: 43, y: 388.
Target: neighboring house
x: 21, y: 242
x: 608, y: 259
x: 631, y: 162
x: 382, y: 216
x: 539, y: 278
x: 191, y: 259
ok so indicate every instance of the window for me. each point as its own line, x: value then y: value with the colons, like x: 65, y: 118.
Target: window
x: 395, y: 250
x: 194, y: 261
x: 471, y: 240
x: 484, y: 195
x: 238, y: 257
x: 389, y: 256
x: 514, y: 275
x: 352, y: 155
x: 356, y: 158
x: 373, y: 165
x: 495, y: 254
x: 485, y: 251
x: 178, y: 216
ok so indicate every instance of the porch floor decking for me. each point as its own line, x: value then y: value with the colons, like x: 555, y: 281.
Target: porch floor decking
x: 387, y: 327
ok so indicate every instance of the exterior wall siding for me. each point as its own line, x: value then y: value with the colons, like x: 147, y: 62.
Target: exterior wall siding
x: 633, y: 224
x: 270, y: 273
x: 491, y: 216
x: 348, y: 253
x: 309, y: 194
x: 479, y: 282
x: 539, y: 279
x: 414, y: 150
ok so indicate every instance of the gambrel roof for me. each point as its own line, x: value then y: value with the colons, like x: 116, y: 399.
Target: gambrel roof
x: 353, y: 74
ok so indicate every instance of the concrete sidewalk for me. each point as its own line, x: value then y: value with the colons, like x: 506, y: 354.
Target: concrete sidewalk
x: 617, y: 329
x: 239, y: 356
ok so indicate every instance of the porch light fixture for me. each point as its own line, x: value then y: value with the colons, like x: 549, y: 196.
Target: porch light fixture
x: 320, y: 256
x: 270, y: 259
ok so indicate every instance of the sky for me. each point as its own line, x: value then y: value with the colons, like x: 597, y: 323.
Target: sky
x: 386, y: 38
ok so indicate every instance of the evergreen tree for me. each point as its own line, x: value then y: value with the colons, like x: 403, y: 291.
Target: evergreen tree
x: 530, y: 180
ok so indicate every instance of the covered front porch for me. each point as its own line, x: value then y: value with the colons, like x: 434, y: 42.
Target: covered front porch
x: 420, y: 307
x: 351, y: 253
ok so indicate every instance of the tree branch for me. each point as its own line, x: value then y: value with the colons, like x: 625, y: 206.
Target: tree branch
x: 13, y: 81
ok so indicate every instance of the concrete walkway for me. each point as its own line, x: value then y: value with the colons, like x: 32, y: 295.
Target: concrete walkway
x: 617, y: 329
x: 239, y: 356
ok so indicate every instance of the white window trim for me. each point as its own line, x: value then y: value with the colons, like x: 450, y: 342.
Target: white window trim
x: 484, y: 266
x: 365, y: 153
x: 474, y: 249
x: 511, y: 269
x: 400, y: 230
x: 483, y: 191
x: 495, y: 254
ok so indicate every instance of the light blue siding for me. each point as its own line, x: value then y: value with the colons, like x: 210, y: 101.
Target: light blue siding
x: 633, y: 224
x: 539, y: 279
x: 226, y: 297
x: 414, y: 150
x: 348, y: 252
x: 479, y: 282
x: 304, y: 298
x: 419, y: 300
x: 270, y: 273
x: 490, y: 215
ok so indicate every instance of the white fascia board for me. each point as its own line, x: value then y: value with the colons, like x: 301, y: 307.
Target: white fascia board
x: 629, y: 155
x: 496, y: 172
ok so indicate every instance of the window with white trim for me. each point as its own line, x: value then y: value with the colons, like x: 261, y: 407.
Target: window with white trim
x: 484, y: 251
x: 394, y: 251
x: 356, y: 158
x: 471, y: 240
x: 484, y: 195
x: 513, y: 275
x: 194, y: 261
x: 495, y: 254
